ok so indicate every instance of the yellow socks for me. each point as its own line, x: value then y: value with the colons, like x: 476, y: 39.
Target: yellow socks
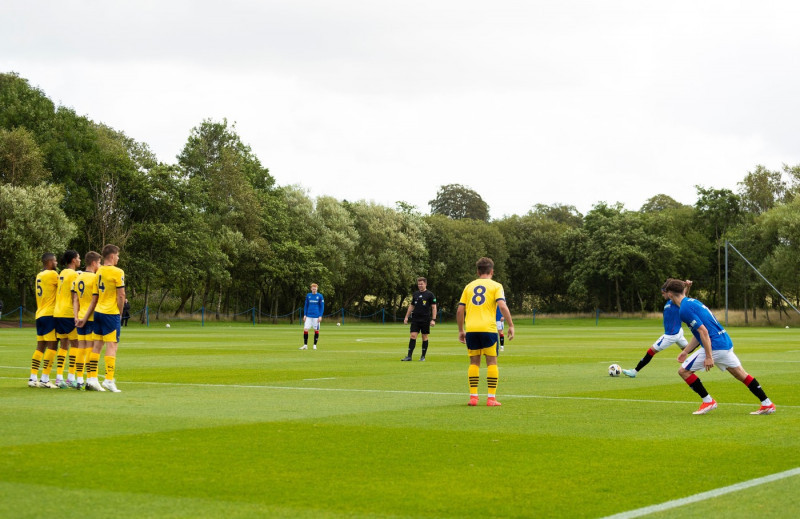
x: 73, y: 358
x: 49, y: 355
x: 36, y: 363
x: 111, y: 365
x: 80, y: 361
x: 474, y: 373
x: 492, y: 372
x: 62, y: 356
x: 91, y: 369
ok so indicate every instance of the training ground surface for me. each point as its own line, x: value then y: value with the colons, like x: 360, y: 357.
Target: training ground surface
x: 231, y: 420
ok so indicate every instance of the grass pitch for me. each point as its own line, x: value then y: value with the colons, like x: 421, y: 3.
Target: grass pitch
x: 233, y: 420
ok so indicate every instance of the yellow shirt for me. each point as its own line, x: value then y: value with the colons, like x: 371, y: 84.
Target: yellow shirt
x: 46, y: 286
x: 84, y: 285
x: 64, y: 294
x: 109, y: 279
x: 480, y: 299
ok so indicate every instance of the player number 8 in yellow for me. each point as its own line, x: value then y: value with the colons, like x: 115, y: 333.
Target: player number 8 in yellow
x: 479, y: 298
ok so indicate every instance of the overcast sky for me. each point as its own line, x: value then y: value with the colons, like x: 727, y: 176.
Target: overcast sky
x: 526, y: 102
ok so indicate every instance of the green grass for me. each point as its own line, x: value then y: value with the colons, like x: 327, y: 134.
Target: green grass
x: 231, y: 420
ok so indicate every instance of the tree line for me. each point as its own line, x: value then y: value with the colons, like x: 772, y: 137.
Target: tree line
x: 213, y: 229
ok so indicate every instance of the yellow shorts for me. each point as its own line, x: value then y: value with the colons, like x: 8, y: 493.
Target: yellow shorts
x: 490, y: 352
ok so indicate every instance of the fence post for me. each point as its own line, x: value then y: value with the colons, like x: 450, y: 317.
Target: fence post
x: 147, y: 315
x: 342, y: 316
x: 383, y: 316
x: 20, y: 316
x: 254, y: 316
x: 534, y: 316
x: 202, y: 316
x: 597, y: 317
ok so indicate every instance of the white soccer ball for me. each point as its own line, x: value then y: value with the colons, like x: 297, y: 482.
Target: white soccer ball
x: 787, y: 327
x: 339, y: 324
x: 167, y: 325
x: 614, y: 370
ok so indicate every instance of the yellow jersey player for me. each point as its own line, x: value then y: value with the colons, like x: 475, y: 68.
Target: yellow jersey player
x: 107, y: 307
x: 477, y: 309
x: 65, y: 320
x: 46, y: 286
x: 82, y: 295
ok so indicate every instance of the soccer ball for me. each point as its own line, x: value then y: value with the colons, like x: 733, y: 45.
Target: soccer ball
x: 614, y: 370
x: 167, y: 325
x: 339, y: 324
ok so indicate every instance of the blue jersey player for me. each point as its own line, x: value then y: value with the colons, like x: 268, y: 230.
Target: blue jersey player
x: 500, y: 320
x: 673, y: 332
x: 717, y: 350
x: 313, y: 310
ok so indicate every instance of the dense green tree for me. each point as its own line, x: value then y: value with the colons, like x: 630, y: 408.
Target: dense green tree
x: 31, y: 223
x: 614, y: 255
x: 781, y: 226
x: 660, y: 202
x: 457, y: 202
x: 536, y: 260
x: 23, y: 106
x: 454, y: 247
x: 717, y: 211
x: 388, y: 257
x: 762, y: 189
x: 21, y: 160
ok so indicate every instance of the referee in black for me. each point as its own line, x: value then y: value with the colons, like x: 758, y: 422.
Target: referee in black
x: 422, y: 312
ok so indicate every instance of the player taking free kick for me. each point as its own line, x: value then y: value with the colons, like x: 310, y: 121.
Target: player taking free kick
x: 673, y: 331
x: 717, y: 349
x: 477, y: 328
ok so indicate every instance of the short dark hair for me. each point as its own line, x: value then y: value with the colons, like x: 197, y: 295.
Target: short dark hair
x: 47, y: 256
x: 485, y: 265
x: 91, y: 257
x: 68, y: 256
x: 109, y: 249
x: 674, y: 285
x: 422, y: 279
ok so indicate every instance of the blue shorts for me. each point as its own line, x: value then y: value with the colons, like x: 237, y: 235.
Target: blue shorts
x: 65, y: 328
x: 107, y: 327
x: 46, y: 328
x: 481, y: 340
x: 87, y: 332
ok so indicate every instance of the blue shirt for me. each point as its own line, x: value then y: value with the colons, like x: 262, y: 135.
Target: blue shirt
x: 672, y: 318
x: 696, y: 314
x: 315, y: 305
x: 499, y: 314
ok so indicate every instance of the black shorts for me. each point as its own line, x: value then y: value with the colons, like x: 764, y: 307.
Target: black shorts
x: 423, y: 327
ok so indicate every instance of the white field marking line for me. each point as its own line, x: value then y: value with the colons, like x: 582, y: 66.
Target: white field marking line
x: 748, y: 361
x: 325, y: 378
x: 705, y: 495
x: 408, y: 392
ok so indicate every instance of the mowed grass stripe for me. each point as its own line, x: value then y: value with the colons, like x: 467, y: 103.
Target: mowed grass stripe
x: 412, y: 392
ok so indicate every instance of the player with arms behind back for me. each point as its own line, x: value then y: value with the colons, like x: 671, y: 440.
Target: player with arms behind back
x: 46, y: 286
x: 83, y: 289
x: 477, y: 328
x: 422, y: 312
x: 673, y: 331
x: 107, y: 307
x: 65, y: 320
x: 313, y: 309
